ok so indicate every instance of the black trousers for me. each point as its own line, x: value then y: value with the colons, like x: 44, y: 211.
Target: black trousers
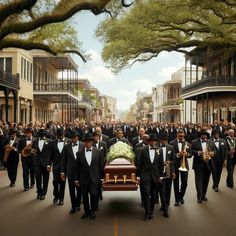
x: 75, y: 194
x: 28, y: 170
x: 149, y: 194
x: 202, y: 176
x: 164, y: 189
x: 42, y: 178
x: 58, y: 186
x: 180, y: 189
x: 12, y: 164
x: 230, y: 169
x: 216, y: 172
x: 90, y: 196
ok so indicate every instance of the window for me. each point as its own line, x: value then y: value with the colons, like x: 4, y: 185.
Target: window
x: 2, y: 64
x: 22, y: 68
x: 28, y: 71
x: 6, y: 64
x: 31, y: 72
x: 24, y: 75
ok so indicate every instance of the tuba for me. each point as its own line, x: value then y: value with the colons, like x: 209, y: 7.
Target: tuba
x: 28, y: 151
x: 183, y: 165
x: 8, y: 149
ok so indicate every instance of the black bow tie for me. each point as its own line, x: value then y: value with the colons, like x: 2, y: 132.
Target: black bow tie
x: 152, y: 148
x: 203, y: 141
x: 12, y: 139
x: 74, y: 144
x: 28, y: 139
x: 60, y: 141
x: 216, y: 141
x: 180, y: 142
x: 88, y: 150
x: 163, y: 145
x: 41, y: 138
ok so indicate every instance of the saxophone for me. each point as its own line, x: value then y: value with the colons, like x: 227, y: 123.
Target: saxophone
x: 28, y: 151
x: 208, y: 154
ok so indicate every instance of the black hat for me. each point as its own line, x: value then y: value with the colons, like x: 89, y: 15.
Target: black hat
x: 60, y: 131
x: 204, y: 132
x: 73, y: 133
x: 29, y: 129
x: 96, y: 133
x: 215, y: 131
x: 152, y: 137
x: 42, y: 132
x: 12, y: 130
x: 164, y: 137
x: 88, y: 137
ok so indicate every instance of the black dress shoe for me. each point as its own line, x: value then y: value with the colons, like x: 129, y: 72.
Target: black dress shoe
x: 38, y: 196
x: 72, y: 211
x: 230, y: 186
x: 204, y: 199
x: 84, y: 216
x: 145, y: 218
x: 42, y: 197
x: 92, y: 216
x: 216, y: 189
x: 26, y: 189
x: 55, y: 200
x: 61, y: 203
x: 181, y: 201
x: 199, y: 200
x: 101, y: 198
x: 165, y: 214
x: 12, y: 185
x: 32, y: 186
x: 161, y: 209
x: 176, y: 204
x: 150, y: 217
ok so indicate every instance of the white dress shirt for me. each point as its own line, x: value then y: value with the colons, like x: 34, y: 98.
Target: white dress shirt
x: 75, y: 149
x: 12, y: 141
x: 151, y: 154
x: 41, y: 143
x: 28, y: 141
x: 217, y: 143
x: 88, y: 155
x: 60, y: 145
x: 203, y: 146
x: 180, y: 146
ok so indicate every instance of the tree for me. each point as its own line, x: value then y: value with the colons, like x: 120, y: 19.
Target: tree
x: 150, y: 27
x: 42, y: 24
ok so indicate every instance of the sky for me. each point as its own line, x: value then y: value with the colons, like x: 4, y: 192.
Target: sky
x: 122, y: 86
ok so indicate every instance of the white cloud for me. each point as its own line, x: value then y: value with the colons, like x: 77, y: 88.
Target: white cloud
x: 166, y: 72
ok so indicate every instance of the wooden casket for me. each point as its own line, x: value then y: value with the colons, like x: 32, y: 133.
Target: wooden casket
x: 120, y: 175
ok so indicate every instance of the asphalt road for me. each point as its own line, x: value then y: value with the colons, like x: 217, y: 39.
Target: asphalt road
x: 120, y: 214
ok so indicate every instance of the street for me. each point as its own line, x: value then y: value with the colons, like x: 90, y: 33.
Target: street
x: 119, y: 214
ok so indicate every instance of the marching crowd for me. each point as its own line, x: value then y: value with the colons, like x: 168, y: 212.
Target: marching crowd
x: 76, y: 151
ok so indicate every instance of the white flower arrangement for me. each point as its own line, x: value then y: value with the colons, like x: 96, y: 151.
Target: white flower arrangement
x: 120, y: 150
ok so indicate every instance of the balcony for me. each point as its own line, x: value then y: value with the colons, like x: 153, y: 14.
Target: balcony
x: 9, y: 81
x: 209, y: 85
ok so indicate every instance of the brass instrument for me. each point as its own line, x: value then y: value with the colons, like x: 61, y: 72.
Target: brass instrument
x: 231, y: 147
x: 8, y: 149
x: 208, y: 154
x: 28, y: 151
x: 183, y: 166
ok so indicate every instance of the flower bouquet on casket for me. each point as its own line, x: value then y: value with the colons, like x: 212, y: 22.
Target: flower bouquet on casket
x: 120, y: 150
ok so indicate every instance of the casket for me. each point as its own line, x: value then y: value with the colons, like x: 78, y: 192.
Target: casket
x: 120, y: 175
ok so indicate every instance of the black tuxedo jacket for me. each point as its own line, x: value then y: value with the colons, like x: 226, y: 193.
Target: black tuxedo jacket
x: 147, y: 170
x: 103, y: 147
x: 221, y: 152
x: 135, y: 141
x: 105, y: 139
x: 68, y: 161
x: 43, y: 156
x: 56, y: 157
x: 93, y: 173
x: 178, y: 161
x: 196, y: 146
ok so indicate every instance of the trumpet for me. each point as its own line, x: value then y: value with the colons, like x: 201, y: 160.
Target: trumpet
x: 28, y: 151
x: 183, y: 165
x: 8, y: 149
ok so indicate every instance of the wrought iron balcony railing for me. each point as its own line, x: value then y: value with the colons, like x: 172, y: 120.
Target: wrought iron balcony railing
x: 209, y: 82
x: 8, y: 80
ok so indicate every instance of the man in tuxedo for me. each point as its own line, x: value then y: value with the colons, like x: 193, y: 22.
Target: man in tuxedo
x: 119, y: 138
x: 150, y: 169
x: 138, y: 146
x: 13, y: 157
x: 27, y: 161
x: 57, y: 154
x: 43, y: 147
x: 182, y: 153
x: 202, y: 168
x: 231, y: 160
x: 103, y: 137
x: 219, y: 160
x: 88, y: 175
x: 68, y: 167
x: 138, y: 139
x: 166, y: 154
x: 103, y: 147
